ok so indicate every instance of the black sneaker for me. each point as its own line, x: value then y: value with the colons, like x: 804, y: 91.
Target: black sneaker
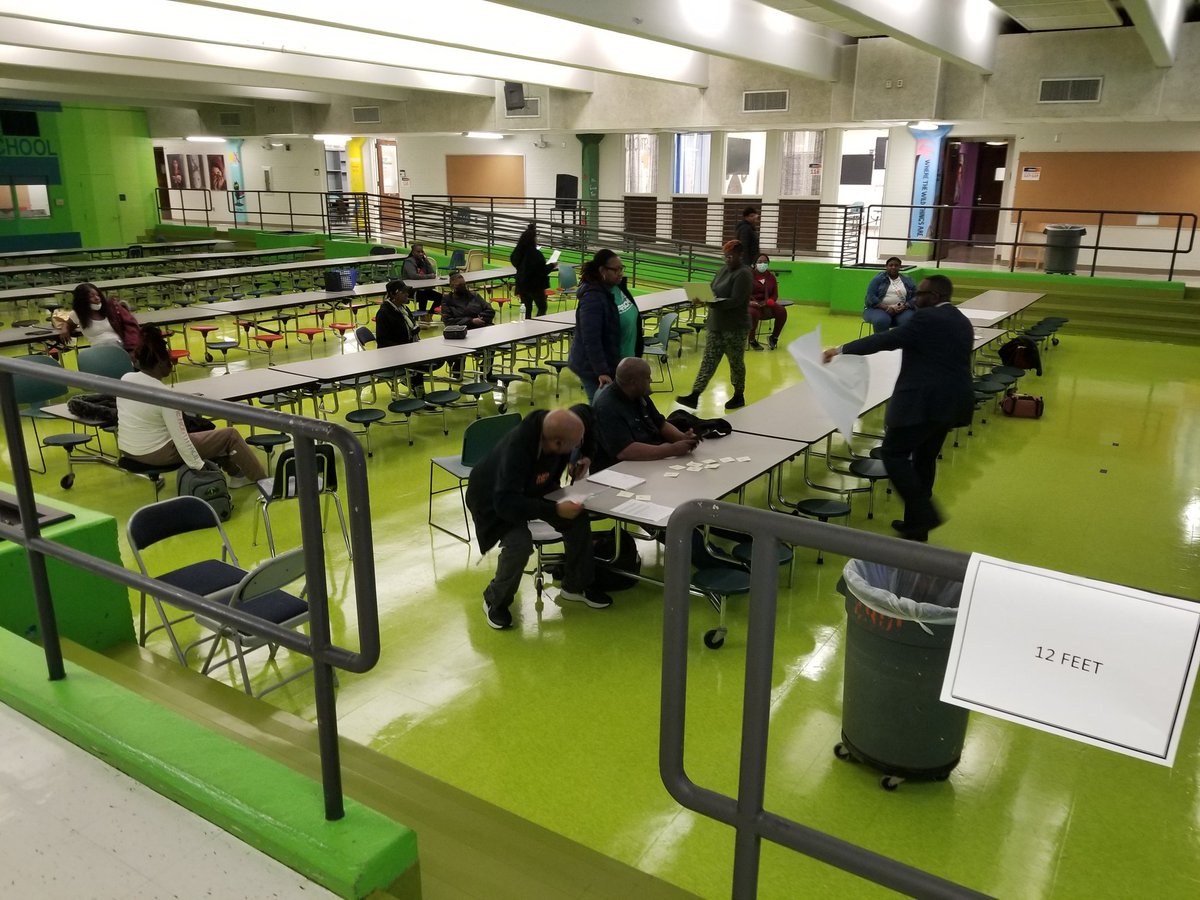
x: 499, y: 617
x: 691, y: 401
x: 772, y: 343
x: 755, y: 345
x: 593, y: 597
x: 737, y: 401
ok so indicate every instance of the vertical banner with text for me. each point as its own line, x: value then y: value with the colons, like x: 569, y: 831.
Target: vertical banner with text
x: 925, y: 179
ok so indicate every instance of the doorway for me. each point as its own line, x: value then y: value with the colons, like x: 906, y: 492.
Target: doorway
x: 973, y: 186
x: 387, y: 174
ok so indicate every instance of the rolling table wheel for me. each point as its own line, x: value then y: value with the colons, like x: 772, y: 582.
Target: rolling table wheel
x: 714, y: 639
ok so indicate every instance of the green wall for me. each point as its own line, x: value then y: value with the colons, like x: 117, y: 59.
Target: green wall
x: 103, y: 152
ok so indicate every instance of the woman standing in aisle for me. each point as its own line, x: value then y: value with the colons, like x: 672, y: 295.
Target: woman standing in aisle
x: 533, y: 275
x: 726, y: 329
x: 608, y: 327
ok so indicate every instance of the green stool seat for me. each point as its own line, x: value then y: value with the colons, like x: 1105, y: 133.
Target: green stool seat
x: 365, y: 417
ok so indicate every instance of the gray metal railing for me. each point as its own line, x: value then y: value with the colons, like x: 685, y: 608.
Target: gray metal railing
x: 1179, y: 226
x: 745, y: 812
x: 317, y: 644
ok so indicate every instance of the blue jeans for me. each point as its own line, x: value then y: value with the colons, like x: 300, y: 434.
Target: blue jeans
x: 883, y: 321
x: 591, y: 384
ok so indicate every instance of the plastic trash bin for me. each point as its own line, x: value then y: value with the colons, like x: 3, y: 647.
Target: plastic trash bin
x: 1062, y: 248
x: 898, y: 632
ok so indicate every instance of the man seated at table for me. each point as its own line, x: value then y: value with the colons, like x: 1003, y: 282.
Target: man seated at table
x: 508, y: 489
x: 395, y: 326
x: 417, y: 267
x: 462, y: 306
x: 628, y: 426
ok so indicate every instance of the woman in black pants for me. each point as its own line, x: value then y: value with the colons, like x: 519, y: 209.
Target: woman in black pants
x: 533, y: 275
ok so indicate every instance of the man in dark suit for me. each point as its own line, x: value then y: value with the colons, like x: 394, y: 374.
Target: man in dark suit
x: 933, y: 395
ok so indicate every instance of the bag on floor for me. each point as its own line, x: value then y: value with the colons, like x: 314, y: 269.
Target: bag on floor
x: 209, y: 485
x: 1022, y: 352
x: 1021, y: 406
x: 611, y: 573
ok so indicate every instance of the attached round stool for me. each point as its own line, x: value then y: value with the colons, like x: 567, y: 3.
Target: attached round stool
x: 1004, y: 379
x: 440, y: 400
x: 406, y: 406
x: 716, y: 584
x: 70, y: 441
x: 267, y: 442
x: 504, y: 379
x: 991, y: 389
x: 784, y: 556
x: 266, y: 343
x: 557, y: 365
x: 365, y: 417
x: 204, y: 331
x: 341, y: 328
x: 223, y: 347
x: 872, y: 470
x: 822, y: 511
x: 533, y: 372
x: 1014, y: 371
x: 310, y: 333
x: 475, y: 390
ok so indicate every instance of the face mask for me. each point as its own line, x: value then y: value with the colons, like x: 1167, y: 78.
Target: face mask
x: 762, y: 267
x: 96, y: 307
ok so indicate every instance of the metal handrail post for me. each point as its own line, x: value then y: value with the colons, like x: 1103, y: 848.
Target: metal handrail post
x: 1096, y: 244
x: 47, y: 622
x: 1175, y: 247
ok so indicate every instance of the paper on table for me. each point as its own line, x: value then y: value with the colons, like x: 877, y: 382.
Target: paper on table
x: 615, y: 479
x: 983, y: 315
x: 554, y: 257
x: 642, y: 510
x: 840, y: 387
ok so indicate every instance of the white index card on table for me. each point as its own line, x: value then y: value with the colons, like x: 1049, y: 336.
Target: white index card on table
x: 1108, y: 665
x: 611, y: 478
x: 840, y: 386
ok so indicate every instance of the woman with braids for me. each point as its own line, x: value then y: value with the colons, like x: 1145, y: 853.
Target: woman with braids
x: 156, y: 435
x: 99, y: 319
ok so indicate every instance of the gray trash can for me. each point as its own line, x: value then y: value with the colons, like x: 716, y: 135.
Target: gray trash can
x: 898, y: 632
x: 1062, y: 248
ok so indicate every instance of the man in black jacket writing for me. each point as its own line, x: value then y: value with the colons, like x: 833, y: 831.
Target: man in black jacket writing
x: 508, y: 489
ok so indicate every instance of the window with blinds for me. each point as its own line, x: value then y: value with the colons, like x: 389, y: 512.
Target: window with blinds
x: 641, y: 163
x: 801, y: 163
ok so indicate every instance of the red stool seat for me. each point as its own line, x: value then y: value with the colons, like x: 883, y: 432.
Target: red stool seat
x: 310, y: 333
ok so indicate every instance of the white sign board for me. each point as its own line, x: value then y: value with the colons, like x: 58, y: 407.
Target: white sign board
x: 1108, y: 665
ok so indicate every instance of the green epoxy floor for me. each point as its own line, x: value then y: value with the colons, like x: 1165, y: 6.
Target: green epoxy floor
x: 557, y: 719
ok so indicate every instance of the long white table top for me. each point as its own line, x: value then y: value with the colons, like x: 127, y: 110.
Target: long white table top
x: 993, y: 307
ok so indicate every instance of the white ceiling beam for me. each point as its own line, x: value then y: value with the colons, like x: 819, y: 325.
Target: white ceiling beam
x: 219, y: 29
x: 254, y: 67
x: 511, y: 31
x: 738, y: 29
x: 1157, y: 23
x: 960, y: 31
x: 48, y: 87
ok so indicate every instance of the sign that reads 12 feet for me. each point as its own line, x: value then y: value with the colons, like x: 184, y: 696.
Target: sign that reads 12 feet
x: 1108, y: 665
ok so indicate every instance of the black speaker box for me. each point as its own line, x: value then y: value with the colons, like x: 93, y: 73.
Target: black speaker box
x: 566, y: 191
x: 514, y: 95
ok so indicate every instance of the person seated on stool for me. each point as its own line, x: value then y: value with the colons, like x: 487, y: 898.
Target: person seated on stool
x: 462, y: 306
x: 395, y: 325
x: 417, y: 267
x: 628, y: 426
x: 764, y: 303
x: 508, y: 489
x: 889, y: 300
x: 156, y: 435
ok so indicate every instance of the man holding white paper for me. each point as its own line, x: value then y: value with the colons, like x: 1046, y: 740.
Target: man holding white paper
x: 508, y: 489
x: 933, y: 395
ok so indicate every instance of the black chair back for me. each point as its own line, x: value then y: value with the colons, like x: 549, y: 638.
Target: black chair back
x: 167, y: 518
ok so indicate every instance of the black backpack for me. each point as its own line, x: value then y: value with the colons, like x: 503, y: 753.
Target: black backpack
x: 209, y: 485
x: 704, y: 429
x: 1022, y: 352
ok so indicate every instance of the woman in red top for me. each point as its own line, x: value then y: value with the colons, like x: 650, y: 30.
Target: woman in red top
x: 764, y: 303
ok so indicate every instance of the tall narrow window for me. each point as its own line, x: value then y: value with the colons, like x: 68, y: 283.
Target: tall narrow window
x: 801, y: 165
x: 641, y: 163
x: 690, y: 171
x: 745, y: 156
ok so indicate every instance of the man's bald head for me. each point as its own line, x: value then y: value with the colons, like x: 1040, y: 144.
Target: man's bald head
x: 562, y: 431
x: 633, y: 376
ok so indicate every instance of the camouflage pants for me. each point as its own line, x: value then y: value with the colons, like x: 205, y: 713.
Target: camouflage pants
x: 730, y: 344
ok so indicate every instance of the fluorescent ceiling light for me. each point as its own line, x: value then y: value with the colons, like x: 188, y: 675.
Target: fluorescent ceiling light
x: 484, y: 135
x: 997, y: 143
x: 197, y: 139
x: 332, y: 138
x: 924, y: 125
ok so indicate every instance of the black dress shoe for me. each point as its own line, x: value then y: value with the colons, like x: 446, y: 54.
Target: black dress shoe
x: 691, y: 401
x: 900, y: 525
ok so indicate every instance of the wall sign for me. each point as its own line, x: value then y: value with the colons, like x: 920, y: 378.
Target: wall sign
x: 1100, y: 663
x: 1031, y: 173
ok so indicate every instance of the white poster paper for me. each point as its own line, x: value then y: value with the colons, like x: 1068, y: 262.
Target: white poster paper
x: 1100, y: 663
x: 840, y: 387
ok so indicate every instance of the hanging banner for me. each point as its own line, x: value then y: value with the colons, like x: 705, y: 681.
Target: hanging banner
x: 925, y: 179
x: 236, y: 179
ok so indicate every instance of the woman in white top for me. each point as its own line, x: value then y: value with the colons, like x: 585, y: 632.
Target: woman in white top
x: 156, y: 435
x: 889, y: 300
x: 100, y: 320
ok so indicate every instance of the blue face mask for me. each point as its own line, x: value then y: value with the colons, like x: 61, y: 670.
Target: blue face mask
x: 762, y: 267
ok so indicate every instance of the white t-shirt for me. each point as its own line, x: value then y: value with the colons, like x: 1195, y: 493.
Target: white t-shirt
x: 98, y: 331
x: 896, y: 293
x: 143, y: 428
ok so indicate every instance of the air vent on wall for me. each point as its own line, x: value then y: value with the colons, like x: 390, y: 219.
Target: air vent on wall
x: 1069, y: 90
x: 531, y: 110
x: 229, y: 119
x: 365, y: 115
x: 765, y: 101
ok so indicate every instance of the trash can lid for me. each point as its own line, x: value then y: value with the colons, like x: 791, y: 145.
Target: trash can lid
x: 1061, y: 227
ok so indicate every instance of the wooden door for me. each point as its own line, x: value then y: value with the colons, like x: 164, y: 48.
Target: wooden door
x: 689, y: 219
x: 799, y: 226
x: 387, y: 172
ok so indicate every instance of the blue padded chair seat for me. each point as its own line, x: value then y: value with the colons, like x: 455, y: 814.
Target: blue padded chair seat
x: 722, y: 580
x: 206, y: 578
x: 277, y: 607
